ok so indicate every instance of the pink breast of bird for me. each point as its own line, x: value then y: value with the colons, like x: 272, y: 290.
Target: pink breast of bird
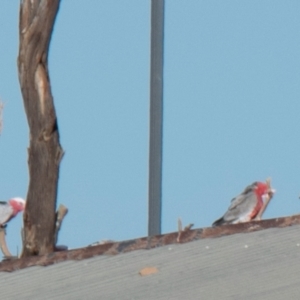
x: 260, y: 190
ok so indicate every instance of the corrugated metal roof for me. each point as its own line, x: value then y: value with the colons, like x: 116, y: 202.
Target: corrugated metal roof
x: 183, y: 236
x: 255, y: 265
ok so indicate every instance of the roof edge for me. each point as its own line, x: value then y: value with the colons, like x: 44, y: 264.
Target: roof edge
x: 114, y: 248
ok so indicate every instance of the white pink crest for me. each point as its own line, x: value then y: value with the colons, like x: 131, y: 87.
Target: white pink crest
x: 18, y: 204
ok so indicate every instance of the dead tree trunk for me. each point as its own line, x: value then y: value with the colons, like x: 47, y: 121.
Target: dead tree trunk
x: 37, y: 19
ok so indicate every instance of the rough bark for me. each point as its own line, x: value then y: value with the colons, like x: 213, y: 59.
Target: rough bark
x: 37, y: 19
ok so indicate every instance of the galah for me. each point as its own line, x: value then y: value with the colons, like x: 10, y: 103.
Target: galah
x: 247, y: 205
x: 10, y: 209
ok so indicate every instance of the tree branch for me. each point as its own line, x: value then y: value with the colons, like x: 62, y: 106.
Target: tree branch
x: 37, y: 19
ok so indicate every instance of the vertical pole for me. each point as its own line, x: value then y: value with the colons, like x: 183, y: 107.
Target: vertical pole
x: 156, y: 117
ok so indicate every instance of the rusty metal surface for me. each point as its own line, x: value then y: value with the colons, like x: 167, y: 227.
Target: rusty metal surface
x: 147, y: 243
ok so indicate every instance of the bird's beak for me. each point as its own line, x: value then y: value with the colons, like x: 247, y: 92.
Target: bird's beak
x: 269, y: 194
x: 272, y: 191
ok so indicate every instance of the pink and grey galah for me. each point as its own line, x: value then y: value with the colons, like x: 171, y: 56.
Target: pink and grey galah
x: 10, y: 209
x: 246, y: 206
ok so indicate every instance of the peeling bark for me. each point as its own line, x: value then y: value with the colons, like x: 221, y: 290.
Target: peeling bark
x: 60, y: 214
x: 37, y: 19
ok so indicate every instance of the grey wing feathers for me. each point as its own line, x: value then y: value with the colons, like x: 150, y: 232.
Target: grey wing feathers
x: 240, y: 198
x: 249, y: 188
x: 236, y: 201
x: 241, y: 206
x: 5, y: 212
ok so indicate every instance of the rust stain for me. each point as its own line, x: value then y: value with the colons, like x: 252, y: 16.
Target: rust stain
x: 114, y: 248
x: 148, y: 271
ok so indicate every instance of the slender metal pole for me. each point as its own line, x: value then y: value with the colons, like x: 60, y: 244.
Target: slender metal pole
x: 156, y: 117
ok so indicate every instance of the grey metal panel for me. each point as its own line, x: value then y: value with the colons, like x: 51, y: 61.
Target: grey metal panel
x: 258, y: 265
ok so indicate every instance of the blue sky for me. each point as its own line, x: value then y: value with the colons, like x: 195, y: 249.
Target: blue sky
x: 231, y: 112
